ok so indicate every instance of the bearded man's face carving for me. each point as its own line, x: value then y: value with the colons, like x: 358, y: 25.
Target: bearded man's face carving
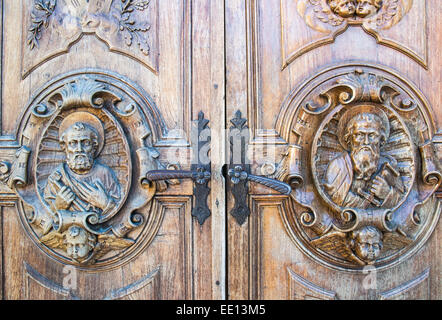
x: 80, y: 143
x: 365, y: 136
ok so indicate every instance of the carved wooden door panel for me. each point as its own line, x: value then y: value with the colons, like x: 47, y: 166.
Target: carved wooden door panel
x: 341, y: 98
x: 325, y: 112
x: 96, y: 94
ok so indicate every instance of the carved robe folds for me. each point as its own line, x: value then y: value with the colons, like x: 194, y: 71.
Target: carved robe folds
x: 343, y: 189
x: 99, y: 174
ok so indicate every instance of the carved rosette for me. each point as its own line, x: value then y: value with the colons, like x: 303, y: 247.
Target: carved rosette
x: 86, y: 145
x: 362, y: 167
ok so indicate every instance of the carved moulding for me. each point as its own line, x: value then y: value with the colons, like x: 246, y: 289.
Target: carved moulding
x: 51, y: 27
x: 86, y: 145
x: 327, y: 19
x: 362, y: 167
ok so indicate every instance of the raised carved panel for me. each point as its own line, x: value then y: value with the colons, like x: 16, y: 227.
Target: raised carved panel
x: 260, y: 133
x: 127, y: 27
x: 47, y: 289
x: 37, y: 286
x: 416, y: 287
x: 308, y: 24
x: 142, y: 289
x: 259, y: 223
x: 177, y: 227
x: 302, y: 289
x: 362, y: 166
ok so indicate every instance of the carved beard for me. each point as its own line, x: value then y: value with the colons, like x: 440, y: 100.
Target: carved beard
x: 365, y: 162
x: 79, y: 161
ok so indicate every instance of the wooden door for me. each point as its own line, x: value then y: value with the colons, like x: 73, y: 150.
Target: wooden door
x: 320, y: 82
x: 115, y: 85
x: 240, y: 149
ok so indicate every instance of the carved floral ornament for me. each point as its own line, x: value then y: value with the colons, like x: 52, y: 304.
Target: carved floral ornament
x: 98, y: 16
x: 362, y: 167
x: 86, y: 146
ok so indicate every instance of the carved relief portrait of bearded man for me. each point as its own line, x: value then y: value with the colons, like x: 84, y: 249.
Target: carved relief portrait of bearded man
x: 82, y: 184
x: 362, y: 177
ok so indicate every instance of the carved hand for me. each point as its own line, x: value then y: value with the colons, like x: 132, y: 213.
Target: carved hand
x: 64, y: 198
x: 380, y: 188
x: 95, y: 196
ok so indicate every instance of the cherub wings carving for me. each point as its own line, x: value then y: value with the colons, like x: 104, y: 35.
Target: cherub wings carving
x: 105, y: 243
x: 54, y: 240
x: 394, y: 241
x: 108, y: 242
x: 337, y: 243
x: 318, y: 15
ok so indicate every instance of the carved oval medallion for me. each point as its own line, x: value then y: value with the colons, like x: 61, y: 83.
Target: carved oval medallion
x: 112, y: 156
x: 361, y: 144
x: 87, y: 142
x: 331, y: 149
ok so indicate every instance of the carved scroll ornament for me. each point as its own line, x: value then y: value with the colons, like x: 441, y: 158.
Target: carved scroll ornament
x: 362, y: 168
x: 86, y: 146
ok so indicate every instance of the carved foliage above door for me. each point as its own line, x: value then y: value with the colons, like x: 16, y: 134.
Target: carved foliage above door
x: 127, y: 27
x: 85, y: 146
x: 308, y: 24
x: 363, y: 157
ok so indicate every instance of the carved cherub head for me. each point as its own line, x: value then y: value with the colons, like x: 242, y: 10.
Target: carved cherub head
x: 79, y: 243
x: 80, y: 142
x: 343, y: 8
x: 366, y: 243
x: 366, y: 8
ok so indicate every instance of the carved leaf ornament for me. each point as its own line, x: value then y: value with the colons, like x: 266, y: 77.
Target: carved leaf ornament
x: 89, y: 16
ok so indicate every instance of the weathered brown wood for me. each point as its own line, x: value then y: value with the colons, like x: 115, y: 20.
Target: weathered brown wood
x: 273, y: 61
x: 273, y: 48
x: 176, y: 65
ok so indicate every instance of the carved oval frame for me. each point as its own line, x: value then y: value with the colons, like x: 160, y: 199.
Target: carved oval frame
x: 314, y: 151
x: 119, y: 129
x: 146, y: 215
x: 297, y: 218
